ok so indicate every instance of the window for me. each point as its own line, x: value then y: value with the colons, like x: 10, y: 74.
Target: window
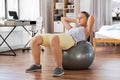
x: 2, y: 9
x: 7, y: 5
x: 12, y: 5
x: 30, y: 11
x: 115, y: 8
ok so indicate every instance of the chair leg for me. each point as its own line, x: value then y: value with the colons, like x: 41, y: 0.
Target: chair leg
x: 94, y: 45
x: 26, y: 46
x: 41, y: 49
x: 33, y: 34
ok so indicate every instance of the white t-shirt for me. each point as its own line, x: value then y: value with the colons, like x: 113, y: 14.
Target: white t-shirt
x: 77, y: 33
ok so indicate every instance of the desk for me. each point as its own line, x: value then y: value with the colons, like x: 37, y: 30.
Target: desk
x: 14, y: 24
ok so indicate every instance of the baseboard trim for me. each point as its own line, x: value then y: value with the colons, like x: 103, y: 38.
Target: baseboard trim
x: 3, y: 49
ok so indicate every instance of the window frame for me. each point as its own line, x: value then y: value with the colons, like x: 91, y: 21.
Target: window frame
x: 6, y: 9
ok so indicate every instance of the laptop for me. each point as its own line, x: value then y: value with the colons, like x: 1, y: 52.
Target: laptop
x: 14, y: 15
x: 15, y: 18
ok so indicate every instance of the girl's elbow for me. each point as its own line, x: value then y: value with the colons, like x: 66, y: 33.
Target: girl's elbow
x: 62, y: 19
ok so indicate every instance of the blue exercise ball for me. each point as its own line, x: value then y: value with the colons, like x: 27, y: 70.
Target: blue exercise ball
x: 79, y: 56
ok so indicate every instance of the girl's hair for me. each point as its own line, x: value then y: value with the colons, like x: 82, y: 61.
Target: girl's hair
x: 86, y: 13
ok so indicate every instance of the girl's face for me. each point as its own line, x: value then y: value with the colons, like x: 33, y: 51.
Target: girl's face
x: 82, y: 19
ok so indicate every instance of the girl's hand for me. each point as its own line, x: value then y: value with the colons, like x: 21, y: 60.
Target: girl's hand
x: 90, y: 21
x: 89, y: 28
x: 66, y: 22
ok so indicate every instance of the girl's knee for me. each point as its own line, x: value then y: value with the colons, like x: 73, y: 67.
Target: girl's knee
x: 54, y: 40
x: 36, y: 40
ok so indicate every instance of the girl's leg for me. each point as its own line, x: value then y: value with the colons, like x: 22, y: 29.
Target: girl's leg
x: 56, y: 50
x: 35, y: 46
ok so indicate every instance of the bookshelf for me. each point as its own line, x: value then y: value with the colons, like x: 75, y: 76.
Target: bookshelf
x: 63, y: 8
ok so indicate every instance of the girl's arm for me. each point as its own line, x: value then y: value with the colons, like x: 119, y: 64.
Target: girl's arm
x: 66, y: 22
x: 89, y: 28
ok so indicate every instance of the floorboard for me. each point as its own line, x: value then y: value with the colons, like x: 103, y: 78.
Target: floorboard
x: 106, y: 66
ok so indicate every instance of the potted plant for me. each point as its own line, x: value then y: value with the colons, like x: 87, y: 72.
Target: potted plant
x: 117, y: 12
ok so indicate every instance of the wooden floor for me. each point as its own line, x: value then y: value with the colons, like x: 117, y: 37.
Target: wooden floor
x: 106, y: 66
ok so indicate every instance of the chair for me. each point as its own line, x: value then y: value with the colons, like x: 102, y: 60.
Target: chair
x: 36, y: 29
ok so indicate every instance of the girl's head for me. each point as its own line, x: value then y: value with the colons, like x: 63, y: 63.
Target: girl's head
x: 82, y: 18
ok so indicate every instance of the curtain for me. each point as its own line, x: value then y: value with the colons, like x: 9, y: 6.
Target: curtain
x: 102, y: 11
x: 29, y: 9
